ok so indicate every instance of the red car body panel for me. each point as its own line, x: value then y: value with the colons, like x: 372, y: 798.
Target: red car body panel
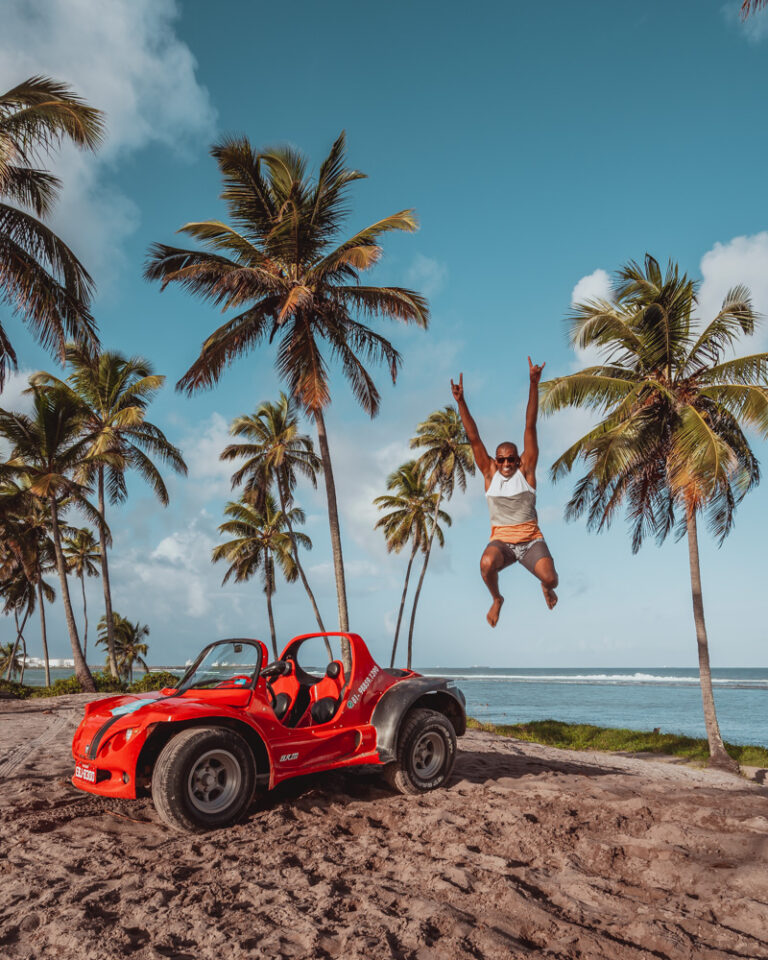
x: 108, y: 745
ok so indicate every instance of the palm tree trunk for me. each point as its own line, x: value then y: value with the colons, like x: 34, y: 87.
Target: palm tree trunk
x: 82, y: 672
x: 85, y: 618
x: 23, y: 659
x: 338, y: 559
x: 299, y: 567
x: 111, y: 655
x: 271, y: 620
x: 43, y: 633
x: 402, y: 600
x: 718, y: 756
x: 421, y: 578
x: 15, y: 650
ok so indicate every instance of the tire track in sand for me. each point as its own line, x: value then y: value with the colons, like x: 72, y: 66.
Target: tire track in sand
x: 17, y: 756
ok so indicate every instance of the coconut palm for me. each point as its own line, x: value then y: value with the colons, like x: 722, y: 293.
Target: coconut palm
x: 751, y: 6
x: 82, y: 554
x: 10, y: 661
x: 411, y: 514
x: 446, y: 461
x: 47, y: 450
x: 114, y: 392
x: 259, y: 542
x: 25, y: 529
x: 670, y: 445
x: 129, y: 643
x: 40, y: 277
x: 274, y: 454
x: 280, y: 263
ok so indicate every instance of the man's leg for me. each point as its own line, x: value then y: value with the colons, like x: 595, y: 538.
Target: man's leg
x: 539, y: 561
x: 491, y: 562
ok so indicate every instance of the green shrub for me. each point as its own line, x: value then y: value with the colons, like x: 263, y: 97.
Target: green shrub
x: 106, y: 683
x: 153, y: 681
x: 58, y: 688
x: 17, y: 691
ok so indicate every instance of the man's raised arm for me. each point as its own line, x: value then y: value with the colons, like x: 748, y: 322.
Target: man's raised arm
x: 482, y: 459
x: 530, y: 455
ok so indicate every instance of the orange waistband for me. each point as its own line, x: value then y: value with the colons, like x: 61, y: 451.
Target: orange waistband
x: 517, y: 532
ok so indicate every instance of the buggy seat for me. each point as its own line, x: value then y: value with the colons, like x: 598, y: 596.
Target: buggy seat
x: 325, y: 695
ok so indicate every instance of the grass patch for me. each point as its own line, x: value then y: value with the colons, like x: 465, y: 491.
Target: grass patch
x: 584, y: 736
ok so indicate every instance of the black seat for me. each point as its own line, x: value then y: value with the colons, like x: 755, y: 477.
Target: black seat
x: 282, y: 702
x: 323, y: 710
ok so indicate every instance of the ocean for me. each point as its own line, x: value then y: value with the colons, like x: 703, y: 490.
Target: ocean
x: 636, y: 698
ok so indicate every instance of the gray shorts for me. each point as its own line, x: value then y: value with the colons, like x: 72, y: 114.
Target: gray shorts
x: 527, y: 553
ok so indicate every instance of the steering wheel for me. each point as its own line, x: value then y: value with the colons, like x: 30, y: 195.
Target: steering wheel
x: 271, y: 672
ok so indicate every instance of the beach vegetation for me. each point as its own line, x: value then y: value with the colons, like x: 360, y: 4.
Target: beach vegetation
x: 410, y: 514
x: 10, y: 661
x: 26, y: 548
x: 47, y: 450
x: 275, y: 453
x: 282, y: 265
x: 446, y: 460
x: 749, y: 7
x: 113, y: 393
x: 130, y: 647
x: 41, y: 279
x: 260, y: 543
x: 673, y: 402
x: 586, y: 736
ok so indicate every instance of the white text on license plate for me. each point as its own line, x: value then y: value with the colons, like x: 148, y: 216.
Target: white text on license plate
x: 85, y: 773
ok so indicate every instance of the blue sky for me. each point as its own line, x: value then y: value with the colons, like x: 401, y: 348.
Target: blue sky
x: 542, y: 145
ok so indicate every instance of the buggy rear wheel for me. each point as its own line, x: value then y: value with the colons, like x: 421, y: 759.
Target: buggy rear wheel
x: 204, y: 778
x: 426, y: 751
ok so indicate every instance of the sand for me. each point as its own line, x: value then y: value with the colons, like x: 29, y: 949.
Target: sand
x: 530, y: 851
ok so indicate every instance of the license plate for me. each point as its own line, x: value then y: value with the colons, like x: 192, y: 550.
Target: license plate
x: 84, y: 771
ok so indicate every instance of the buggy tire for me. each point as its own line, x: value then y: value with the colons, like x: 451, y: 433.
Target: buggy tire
x: 426, y: 751
x: 204, y: 778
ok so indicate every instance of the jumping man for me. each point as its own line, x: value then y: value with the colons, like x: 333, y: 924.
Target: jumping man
x: 510, y: 488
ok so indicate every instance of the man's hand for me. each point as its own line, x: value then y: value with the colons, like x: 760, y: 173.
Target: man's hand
x: 457, y: 389
x: 534, y: 370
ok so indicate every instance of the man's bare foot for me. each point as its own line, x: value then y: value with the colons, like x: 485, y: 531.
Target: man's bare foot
x: 550, y: 596
x: 493, y: 614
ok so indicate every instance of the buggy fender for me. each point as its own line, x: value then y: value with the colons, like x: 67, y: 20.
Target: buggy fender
x: 432, y: 693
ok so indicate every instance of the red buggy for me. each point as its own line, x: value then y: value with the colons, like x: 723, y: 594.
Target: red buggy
x: 235, y: 724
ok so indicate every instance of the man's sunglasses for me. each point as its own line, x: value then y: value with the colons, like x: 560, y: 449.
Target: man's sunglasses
x: 511, y: 459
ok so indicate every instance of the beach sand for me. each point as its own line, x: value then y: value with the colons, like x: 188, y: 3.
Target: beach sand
x: 530, y: 851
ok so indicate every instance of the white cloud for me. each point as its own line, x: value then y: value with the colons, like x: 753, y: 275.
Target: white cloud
x: 12, y: 396
x: 427, y: 275
x: 740, y: 260
x: 124, y: 58
x: 202, y: 449
x: 594, y: 286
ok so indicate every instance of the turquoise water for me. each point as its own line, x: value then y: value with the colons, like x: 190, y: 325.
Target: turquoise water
x: 637, y: 698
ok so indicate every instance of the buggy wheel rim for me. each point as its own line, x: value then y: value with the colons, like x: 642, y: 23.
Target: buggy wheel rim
x: 428, y: 755
x: 214, y: 781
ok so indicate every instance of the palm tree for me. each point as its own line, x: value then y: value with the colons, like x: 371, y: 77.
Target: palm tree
x: 47, y: 450
x: 670, y: 445
x: 25, y: 529
x: 281, y: 264
x: 411, y: 514
x: 10, y: 662
x: 259, y: 542
x: 114, y: 392
x: 751, y: 6
x: 82, y: 554
x: 446, y: 461
x: 129, y: 643
x: 274, y: 454
x: 40, y: 278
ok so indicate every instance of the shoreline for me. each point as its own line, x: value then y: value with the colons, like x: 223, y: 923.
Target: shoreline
x: 529, y: 850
